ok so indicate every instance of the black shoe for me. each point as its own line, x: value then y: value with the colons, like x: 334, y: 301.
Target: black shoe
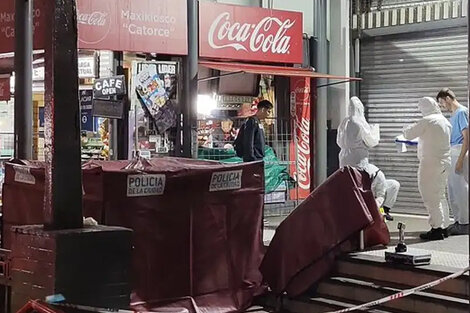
x: 433, y: 234
x: 450, y: 229
x: 446, y: 233
x: 459, y: 230
x: 387, y: 215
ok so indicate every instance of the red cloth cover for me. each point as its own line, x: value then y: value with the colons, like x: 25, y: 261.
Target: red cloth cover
x: 22, y: 196
x: 306, y: 243
x: 189, y: 241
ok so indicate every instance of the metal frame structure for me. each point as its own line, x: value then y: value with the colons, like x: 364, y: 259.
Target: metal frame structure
x: 280, y: 136
x: 23, y: 79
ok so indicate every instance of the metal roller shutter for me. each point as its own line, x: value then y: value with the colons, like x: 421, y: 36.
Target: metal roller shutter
x: 398, y: 70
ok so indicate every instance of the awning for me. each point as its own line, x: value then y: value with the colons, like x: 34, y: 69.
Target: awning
x: 7, y: 61
x: 233, y: 67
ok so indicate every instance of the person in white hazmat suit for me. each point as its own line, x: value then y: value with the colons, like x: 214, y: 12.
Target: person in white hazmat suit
x: 433, y: 133
x: 385, y: 190
x: 355, y: 136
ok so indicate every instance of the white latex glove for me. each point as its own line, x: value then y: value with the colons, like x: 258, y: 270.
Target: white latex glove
x: 375, y: 130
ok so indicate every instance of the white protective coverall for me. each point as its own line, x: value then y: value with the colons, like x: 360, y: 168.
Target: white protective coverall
x: 433, y: 133
x: 385, y: 190
x: 355, y: 136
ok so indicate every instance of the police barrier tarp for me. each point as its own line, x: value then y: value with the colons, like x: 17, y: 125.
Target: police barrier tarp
x: 197, y: 224
x: 197, y: 227
x: 23, y: 196
x: 326, y: 224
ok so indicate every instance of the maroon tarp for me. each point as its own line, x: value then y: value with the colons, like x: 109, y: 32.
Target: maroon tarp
x: 211, y: 260
x: 306, y: 243
x: 189, y: 241
x: 23, y: 196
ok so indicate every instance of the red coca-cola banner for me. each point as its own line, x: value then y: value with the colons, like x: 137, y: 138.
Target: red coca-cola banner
x: 118, y: 25
x: 250, y: 34
x: 137, y: 25
x: 300, y: 145
x: 4, y: 87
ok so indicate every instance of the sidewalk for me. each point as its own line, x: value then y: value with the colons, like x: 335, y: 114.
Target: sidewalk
x: 451, y: 252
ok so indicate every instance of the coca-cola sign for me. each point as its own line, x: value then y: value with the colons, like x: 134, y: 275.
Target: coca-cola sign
x: 93, y: 19
x: 300, y: 147
x: 252, y: 34
x: 94, y: 25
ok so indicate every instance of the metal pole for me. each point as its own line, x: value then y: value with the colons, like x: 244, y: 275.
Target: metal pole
x: 357, y: 48
x: 23, y: 79
x: 190, y: 70
x: 122, y: 129
x: 113, y: 144
x: 321, y: 126
x: 63, y: 186
x: 357, y: 65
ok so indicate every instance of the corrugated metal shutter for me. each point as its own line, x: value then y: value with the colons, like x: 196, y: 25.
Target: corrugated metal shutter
x: 397, y: 71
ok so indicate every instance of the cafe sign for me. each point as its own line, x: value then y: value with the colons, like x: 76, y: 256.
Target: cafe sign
x: 109, y: 87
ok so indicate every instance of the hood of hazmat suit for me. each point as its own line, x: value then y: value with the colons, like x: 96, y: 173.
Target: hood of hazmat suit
x: 355, y: 136
x: 433, y: 131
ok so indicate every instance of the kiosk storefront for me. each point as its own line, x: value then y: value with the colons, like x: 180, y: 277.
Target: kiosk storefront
x: 245, y: 51
x: 112, y: 35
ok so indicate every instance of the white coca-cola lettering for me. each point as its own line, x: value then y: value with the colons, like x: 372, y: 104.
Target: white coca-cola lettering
x: 302, y: 90
x: 303, y: 147
x: 93, y: 19
x: 263, y: 36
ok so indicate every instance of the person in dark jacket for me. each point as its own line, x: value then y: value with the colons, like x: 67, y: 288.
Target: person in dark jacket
x: 250, y: 141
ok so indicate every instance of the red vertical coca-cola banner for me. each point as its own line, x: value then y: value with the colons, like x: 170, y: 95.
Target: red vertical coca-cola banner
x: 300, y: 145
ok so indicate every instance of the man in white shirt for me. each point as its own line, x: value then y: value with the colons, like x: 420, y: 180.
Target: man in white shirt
x: 458, y: 176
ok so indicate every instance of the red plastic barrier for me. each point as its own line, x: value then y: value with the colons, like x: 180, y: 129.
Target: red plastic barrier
x: 307, y: 242
x: 38, y: 307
